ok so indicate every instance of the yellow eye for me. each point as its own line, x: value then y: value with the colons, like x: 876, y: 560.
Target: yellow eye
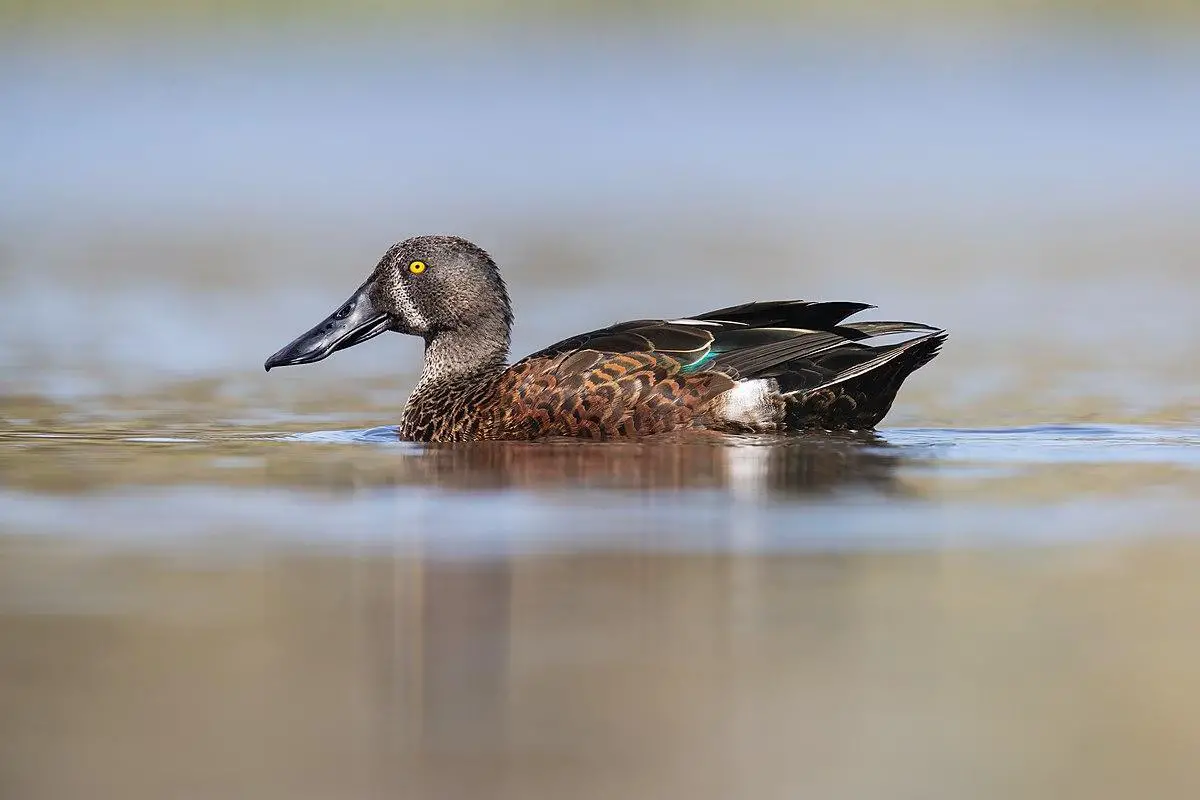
x: 416, y: 267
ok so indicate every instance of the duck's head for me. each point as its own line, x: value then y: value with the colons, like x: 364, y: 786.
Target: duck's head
x: 428, y: 286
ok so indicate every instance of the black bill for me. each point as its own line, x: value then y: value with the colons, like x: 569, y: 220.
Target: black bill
x: 356, y: 321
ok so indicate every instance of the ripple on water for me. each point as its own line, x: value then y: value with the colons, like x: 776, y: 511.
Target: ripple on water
x: 1095, y: 444
x: 1022, y: 444
x: 383, y: 434
x: 900, y: 489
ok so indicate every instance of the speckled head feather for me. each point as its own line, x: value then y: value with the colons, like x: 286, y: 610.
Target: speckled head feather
x: 758, y: 367
x: 458, y: 287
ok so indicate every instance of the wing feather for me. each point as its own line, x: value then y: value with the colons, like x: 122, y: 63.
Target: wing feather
x: 802, y: 343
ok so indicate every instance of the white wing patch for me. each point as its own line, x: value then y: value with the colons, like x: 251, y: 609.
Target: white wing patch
x: 704, y: 323
x: 752, y: 403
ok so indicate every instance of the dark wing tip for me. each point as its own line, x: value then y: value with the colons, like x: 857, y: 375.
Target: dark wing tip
x: 818, y: 315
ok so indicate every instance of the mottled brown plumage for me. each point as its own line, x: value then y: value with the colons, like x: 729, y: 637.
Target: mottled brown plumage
x: 759, y: 367
x: 585, y: 394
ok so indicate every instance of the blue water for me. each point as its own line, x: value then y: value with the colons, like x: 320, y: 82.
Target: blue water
x: 1028, y: 444
x: 902, y: 489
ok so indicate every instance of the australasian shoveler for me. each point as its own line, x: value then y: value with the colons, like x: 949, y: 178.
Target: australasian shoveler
x: 759, y: 367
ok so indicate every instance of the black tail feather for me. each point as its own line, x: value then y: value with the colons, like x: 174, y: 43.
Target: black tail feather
x: 865, y: 330
x: 860, y: 396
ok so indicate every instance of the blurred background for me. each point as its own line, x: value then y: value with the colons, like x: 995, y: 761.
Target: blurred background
x: 215, y: 582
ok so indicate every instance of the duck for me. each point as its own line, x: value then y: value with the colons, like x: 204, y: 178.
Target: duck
x: 762, y: 367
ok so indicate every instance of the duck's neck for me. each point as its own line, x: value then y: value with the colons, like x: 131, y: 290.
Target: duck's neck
x: 464, y: 353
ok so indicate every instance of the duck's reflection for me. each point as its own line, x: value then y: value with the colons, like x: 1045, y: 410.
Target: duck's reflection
x: 797, y: 465
x: 810, y: 464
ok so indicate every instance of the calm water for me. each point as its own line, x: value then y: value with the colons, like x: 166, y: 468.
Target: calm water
x: 220, y: 583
